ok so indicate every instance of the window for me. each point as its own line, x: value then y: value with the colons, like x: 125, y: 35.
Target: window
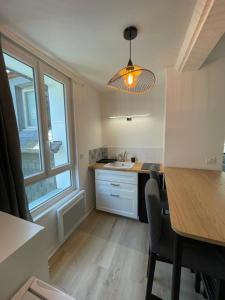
x: 41, y: 98
x: 57, y: 127
x: 22, y: 85
x: 47, y: 188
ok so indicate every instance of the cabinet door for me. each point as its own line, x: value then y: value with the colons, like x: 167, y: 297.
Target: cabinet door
x: 117, y: 198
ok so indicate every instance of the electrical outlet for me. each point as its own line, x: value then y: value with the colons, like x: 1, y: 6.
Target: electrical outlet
x: 211, y: 161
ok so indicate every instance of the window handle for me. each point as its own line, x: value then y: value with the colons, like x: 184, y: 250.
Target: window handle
x: 115, y: 184
x: 115, y: 195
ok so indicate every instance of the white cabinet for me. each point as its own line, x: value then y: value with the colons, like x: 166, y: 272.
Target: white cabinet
x: 23, y: 253
x: 116, y: 192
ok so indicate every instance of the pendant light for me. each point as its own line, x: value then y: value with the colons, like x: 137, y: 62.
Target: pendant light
x: 133, y: 78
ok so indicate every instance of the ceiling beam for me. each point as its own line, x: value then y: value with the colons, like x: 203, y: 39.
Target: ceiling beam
x: 206, y: 27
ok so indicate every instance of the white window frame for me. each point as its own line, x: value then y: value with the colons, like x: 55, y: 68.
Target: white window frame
x: 40, y: 69
x: 44, y: 69
x: 21, y: 55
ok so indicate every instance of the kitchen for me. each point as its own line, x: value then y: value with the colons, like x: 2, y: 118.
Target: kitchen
x: 94, y: 158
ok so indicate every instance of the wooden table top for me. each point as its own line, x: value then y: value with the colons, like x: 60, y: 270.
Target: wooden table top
x: 197, y: 203
x: 136, y: 168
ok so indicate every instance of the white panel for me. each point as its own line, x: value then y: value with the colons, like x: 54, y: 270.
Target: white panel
x: 121, y: 205
x: 30, y: 259
x: 195, y: 123
x: 66, y: 224
x: 115, y: 186
x: 116, y: 176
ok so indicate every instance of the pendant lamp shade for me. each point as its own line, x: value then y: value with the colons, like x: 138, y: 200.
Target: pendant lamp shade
x: 132, y: 78
x: 136, y: 81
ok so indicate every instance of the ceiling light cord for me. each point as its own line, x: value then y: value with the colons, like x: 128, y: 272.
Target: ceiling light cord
x: 130, y: 64
x: 130, y: 46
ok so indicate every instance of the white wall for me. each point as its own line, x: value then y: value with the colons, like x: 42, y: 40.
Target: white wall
x: 144, y: 133
x: 88, y: 136
x: 195, y: 116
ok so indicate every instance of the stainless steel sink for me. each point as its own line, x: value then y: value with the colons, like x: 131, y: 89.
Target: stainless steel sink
x: 119, y: 165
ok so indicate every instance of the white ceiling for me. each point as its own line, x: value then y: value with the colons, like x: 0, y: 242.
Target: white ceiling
x: 87, y: 34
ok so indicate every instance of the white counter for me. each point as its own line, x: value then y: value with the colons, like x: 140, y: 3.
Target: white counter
x: 23, y: 253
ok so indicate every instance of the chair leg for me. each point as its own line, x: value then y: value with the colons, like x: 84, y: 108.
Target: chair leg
x: 177, y: 259
x: 197, y: 283
x: 151, y: 272
x: 220, y: 290
x: 147, y: 268
x: 204, y: 294
x: 147, y: 275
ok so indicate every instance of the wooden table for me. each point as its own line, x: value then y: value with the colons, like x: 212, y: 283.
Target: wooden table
x: 197, y: 210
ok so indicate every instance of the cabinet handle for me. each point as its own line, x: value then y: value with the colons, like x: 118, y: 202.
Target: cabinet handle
x: 114, y: 195
x: 115, y: 184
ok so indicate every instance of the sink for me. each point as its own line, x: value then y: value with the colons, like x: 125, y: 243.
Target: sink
x: 119, y: 165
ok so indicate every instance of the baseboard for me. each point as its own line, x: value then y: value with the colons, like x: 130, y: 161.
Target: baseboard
x: 76, y: 225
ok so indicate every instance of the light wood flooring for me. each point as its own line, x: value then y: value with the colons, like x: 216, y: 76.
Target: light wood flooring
x: 106, y: 259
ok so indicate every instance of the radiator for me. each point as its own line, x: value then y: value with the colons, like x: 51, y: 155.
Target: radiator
x: 69, y: 215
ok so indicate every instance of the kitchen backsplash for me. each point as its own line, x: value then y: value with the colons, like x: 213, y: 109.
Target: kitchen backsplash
x: 141, y: 154
x: 97, y: 154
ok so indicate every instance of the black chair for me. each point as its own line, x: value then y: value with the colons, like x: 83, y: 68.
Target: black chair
x: 163, y: 194
x: 198, y: 256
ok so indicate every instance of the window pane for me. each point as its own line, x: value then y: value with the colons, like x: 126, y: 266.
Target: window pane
x: 21, y: 82
x: 30, y: 108
x: 43, y: 190
x: 57, y: 129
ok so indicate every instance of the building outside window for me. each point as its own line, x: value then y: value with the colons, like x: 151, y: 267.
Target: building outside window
x: 41, y: 98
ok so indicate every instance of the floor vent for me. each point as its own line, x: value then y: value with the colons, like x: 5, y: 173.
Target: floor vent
x: 69, y: 215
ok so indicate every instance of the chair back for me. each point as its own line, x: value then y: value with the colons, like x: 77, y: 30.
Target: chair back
x: 153, y: 207
x: 154, y: 174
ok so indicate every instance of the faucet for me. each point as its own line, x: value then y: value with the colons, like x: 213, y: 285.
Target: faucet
x: 122, y: 156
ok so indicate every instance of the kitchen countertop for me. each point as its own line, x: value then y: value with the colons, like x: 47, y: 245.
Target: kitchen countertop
x: 136, y: 168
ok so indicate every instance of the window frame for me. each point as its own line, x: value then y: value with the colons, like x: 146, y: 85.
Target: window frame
x: 44, y: 69
x: 41, y: 68
x: 25, y: 109
x: 21, y: 55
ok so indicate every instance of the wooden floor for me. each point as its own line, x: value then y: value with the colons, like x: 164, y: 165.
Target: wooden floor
x: 106, y: 259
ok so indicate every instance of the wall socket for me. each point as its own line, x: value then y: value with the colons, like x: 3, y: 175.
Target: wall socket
x: 211, y: 161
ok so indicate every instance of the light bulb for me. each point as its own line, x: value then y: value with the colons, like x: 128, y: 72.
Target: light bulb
x: 130, y: 79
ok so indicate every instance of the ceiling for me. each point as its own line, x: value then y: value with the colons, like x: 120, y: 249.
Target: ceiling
x: 87, y: 34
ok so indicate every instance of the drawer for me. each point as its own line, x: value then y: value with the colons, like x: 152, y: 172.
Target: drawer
x: 118, y: 190
x: 115, y: 186
x: 116, y: 176
x: 124, y: 204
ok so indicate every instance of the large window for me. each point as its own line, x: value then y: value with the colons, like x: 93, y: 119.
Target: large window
x: 41, y: 98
